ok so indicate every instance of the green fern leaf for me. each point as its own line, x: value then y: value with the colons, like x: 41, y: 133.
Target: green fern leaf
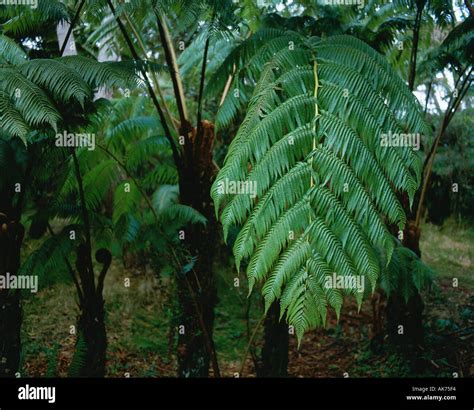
x: 313, y: 186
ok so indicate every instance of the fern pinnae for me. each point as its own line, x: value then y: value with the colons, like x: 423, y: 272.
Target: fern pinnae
x: 359, y: 248
x: 352, y: 80
x: 11, y: 52
x: 11, y: 119
x: 328, y: 245
x: 291, y: 260
x: 358, y: 157
x: 353, y: 53
x: 279, y: 161
x: 34, y: 105
x: 353, y: 110
x: 321, y: 270
x: 60, y: 80
x: 269, y: 207
x: 276, y: 238
x: 386, y: 121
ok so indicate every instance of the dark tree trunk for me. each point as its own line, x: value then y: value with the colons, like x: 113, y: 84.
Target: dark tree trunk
x: 197, y: 291
x: 378, y: 302
x: 409, y: 314
x: 275, y: 346
x: 91, y: 327
x: 11, y: 237
x: 197, y: 299
x: 91, y: 346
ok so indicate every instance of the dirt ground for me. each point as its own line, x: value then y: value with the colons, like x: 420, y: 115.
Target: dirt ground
x: 138, y: 336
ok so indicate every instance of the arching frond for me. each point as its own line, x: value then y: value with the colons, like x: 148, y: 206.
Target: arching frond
x: 23, y: 21
x: 309, y: 178
x: 11, y: 53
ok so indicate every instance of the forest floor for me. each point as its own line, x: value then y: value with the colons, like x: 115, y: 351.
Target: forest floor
x: 141, y: 342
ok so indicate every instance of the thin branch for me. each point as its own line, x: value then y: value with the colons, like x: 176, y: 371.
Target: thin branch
x: 199, y: 130
x: 227, y: 87
x: 448, y: 109
x: 414, y: 50
x: 244, y: 357
x: 170, y: 57
x: 71, y: 27
x: 428, y: 97
x: 153, y: 75
x: 452, y: 108
x: 462, y: 92
x: 164, y: 123
x: 140, y: 189
x: 469, y: 7
x: 85, y: 214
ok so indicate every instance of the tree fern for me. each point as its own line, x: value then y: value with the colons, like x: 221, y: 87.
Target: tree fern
x: 36, y: 93
x: 325, y: 187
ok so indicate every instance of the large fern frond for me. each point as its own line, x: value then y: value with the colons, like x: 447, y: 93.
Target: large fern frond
x: 307, y: 177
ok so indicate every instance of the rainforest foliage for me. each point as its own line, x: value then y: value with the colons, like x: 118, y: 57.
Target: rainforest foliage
x: 206, y: 158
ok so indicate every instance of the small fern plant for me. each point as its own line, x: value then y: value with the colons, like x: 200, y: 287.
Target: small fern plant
x: 324, y: 184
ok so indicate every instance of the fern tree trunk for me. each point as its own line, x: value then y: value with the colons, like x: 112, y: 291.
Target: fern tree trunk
x: 91, y: 346
x: 405, y: 319
x: 274, y: 361
x: 197, y: 291
x: 11, y: 237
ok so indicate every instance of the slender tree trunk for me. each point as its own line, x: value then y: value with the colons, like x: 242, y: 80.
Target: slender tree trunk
x: 91, y: 321
x: 11, y: 237
x: 274, y: 361
x: 378, y: 302
x: 414, y: 50
x: 91, y: 327
x: 428, y: 92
